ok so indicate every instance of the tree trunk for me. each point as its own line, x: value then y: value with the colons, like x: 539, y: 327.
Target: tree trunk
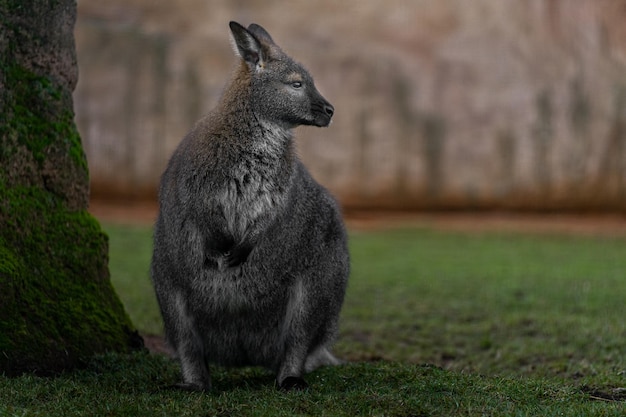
x: 57, y: 305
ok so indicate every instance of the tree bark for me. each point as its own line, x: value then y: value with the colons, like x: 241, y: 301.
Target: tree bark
x: 57, y: 305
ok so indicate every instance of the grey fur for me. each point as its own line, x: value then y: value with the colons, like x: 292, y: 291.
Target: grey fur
x: 250, y: 261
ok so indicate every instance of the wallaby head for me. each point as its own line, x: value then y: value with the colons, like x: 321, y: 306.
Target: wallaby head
x: 281, y: 90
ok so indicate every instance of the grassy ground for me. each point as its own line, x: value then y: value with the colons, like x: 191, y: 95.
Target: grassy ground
x: 435, y: 323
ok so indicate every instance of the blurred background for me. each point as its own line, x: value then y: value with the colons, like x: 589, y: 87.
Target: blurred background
x: 440, y: 104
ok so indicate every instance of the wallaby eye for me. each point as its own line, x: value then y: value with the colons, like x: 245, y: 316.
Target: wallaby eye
x: 296, y: 84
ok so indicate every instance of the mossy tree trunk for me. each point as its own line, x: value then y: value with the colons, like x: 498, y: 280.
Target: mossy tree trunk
x: 57, y: 305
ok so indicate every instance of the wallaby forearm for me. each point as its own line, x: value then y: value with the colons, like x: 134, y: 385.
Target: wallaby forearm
x: 225, y: 247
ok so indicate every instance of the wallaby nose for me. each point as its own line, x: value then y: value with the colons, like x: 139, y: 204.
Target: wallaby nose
x: 329, y: 109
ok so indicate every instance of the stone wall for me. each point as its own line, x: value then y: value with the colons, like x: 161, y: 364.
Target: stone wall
x: 439, y: 103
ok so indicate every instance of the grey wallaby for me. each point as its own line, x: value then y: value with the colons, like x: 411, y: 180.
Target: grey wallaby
x: 250, y: 262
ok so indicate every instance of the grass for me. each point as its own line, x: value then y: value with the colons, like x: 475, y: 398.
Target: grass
x: 435, y: 323
x: 138, y: 386
x: 492, y: 303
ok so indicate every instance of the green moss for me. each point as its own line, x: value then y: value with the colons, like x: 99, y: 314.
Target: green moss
x: 35, y: 119
x: 9, y: 263
x: 58, y: 303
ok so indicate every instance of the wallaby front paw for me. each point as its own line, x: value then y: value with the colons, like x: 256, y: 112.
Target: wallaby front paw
x: 210, y: 263
x: 293, y: 383
x: 237, y: 255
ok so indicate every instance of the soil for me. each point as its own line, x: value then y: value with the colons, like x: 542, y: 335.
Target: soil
x: 156, y: 344
x: 593, y: 223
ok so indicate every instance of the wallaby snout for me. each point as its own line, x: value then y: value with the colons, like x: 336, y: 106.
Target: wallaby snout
x: 323, y: 111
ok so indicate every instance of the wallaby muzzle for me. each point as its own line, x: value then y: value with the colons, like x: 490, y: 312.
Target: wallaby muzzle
x: 323, y: 112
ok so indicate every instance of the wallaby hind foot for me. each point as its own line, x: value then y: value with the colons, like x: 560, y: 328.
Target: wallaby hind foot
x: 293, y: 383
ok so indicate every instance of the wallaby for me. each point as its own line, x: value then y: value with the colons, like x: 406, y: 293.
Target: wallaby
x: 250, y: 262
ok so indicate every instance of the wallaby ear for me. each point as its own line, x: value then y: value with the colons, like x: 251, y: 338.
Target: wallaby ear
x: 260, y: 33
x: 247, y: 45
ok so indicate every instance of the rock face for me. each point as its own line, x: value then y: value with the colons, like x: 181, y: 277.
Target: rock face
x: 440, y: 103
x: 57, y: 305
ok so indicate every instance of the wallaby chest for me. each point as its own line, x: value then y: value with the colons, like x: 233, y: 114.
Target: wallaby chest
x: 253, y: 184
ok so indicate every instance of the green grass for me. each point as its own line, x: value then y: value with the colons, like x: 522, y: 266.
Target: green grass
x: 139, y: 386
x: 130, y: 250
x: 491, y: 303
x: 435, y: 323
